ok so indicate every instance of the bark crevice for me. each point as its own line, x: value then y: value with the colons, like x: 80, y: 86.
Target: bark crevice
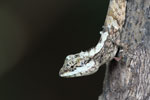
x: 129, y: 79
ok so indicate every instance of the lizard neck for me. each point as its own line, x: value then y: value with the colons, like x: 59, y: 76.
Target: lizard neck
x: 113, y: 23
x: 88, y: 62
x: 100, y: 45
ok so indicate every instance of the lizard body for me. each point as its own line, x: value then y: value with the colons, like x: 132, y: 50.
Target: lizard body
x: 88, y: 62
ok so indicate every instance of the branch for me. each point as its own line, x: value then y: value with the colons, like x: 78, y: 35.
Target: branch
x: 129, y: 79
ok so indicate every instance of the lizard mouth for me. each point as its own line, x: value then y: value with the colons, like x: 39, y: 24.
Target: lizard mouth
x: 65, y: 74
x: 62, y: 72
x: 79, y: 71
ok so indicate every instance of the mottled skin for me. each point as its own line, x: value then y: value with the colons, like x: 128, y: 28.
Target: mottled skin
x: 82, y: 64
x: 72, y: 62
x: 80, y: 60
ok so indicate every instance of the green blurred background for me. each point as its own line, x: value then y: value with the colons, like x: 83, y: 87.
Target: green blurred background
x: 36, y: 36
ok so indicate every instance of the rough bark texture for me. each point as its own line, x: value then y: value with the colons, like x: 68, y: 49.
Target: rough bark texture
x: 129, y: 79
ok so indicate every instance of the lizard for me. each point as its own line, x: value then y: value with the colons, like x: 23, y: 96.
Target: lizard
x: 88, y: 62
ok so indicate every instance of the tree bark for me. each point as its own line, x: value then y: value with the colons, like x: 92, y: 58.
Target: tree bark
x: 129, y: 79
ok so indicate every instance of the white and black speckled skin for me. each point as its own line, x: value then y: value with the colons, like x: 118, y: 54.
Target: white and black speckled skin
x: 88, y: 62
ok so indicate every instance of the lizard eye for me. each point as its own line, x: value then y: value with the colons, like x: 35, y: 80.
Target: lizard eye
x: 71, y: 67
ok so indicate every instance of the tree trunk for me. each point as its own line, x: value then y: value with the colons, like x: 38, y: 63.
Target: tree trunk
x: 129, y: 79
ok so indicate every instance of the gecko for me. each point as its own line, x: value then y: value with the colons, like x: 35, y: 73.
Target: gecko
x: 88, y: 62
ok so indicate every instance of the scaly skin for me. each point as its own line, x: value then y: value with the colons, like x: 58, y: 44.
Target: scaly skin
x: 88, y: 62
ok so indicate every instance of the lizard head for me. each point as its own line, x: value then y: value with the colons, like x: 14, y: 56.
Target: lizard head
x: 78, y: 65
